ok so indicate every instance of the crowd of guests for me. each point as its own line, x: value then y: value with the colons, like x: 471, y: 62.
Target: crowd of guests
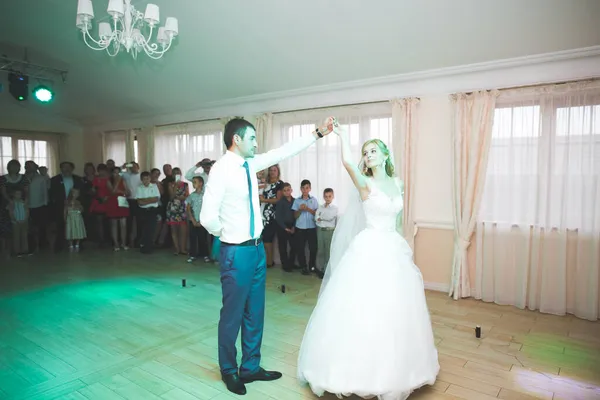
x: 121, y: 207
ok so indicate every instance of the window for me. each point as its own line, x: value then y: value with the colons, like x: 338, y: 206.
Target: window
x: 6, y: 153
x: 136, y: 152
x: 321, y: 163
x: 381, y: 128
x: 184, y: 145
x: 35, y: 150
x: 42, y: 152
x: 115, y: 147
x: 544, y: 164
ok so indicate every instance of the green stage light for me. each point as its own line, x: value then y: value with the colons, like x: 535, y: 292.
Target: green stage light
x: 43, y: 94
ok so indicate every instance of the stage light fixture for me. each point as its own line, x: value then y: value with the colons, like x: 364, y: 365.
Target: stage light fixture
x: 18, y: 86
x: 43, y: 94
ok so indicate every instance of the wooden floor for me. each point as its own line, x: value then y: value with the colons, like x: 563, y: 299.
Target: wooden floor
x: 103, y: 325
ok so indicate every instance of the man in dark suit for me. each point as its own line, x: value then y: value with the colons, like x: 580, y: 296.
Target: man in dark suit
x: 60, y: 187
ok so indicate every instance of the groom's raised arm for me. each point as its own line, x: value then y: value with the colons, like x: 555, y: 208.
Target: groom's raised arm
x: 213, y: 197
x: 290, y: 149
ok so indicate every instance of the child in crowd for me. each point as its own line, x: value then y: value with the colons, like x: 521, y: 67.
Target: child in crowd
x: 325, y: 219
x: 148, y: 202
x: 198, y: 234
x: 284, y: 217
x: 305, y: 208
x: 74, y: 224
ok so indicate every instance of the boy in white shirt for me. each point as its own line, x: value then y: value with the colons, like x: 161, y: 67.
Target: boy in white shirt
x: 147, y: 197
x: 325, y: 219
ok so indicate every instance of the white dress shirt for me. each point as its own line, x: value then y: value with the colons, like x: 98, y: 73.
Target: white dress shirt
x: 148, y: 192
x: 226, y: 210
x: 328, y: 215
x: 38, y: 191
x: 133, y: 181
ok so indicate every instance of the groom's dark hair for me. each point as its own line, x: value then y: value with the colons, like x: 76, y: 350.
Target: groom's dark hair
x: 236, y: 126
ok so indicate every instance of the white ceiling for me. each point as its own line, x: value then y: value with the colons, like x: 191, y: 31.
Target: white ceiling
x: 234, y: 48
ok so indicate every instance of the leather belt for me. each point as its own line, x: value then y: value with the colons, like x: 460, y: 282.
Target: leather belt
x: 251, y: 242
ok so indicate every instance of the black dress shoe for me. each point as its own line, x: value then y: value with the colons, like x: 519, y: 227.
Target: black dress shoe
x: 261, y: 375
x: 234, y: 384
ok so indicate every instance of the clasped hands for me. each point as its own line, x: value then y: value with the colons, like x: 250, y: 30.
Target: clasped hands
x: 331, y: 124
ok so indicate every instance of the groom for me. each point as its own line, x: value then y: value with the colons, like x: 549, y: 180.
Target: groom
x: 231, y: 211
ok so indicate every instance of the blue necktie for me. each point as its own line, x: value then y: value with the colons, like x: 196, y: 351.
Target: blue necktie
x: 250, y: 196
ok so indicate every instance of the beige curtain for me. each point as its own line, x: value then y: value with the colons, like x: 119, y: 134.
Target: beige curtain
x: 145, y: 142
x: 103, y: 150
x: 129, y: 145
x: 538, y: 230
x: 405, y: 128
x: 115, y: 147
x: 264, y: 131
x: 473, y: 116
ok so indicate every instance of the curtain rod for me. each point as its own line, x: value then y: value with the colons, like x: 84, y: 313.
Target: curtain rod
x: 5, y: 130
x: 338, y: 105
x: 280, y: 112
x: 188, y: 122
x: 548, y: 84
x: 122, y: 130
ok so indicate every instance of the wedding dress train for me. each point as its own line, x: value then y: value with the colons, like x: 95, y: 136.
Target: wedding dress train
x: 370, y: 333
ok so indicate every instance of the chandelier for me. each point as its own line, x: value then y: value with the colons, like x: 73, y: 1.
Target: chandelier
x: 129, y: 29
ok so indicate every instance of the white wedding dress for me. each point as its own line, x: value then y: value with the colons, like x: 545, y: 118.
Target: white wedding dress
x: 370, y: 333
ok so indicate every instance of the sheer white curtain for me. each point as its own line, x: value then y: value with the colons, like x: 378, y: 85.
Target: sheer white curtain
x: 114, y: 146
x: 538, y: 231
x: 145, y: 148
x: 183, y: 145
x: 321, y: 163
x: 131, y: 145
x: 43, y: 148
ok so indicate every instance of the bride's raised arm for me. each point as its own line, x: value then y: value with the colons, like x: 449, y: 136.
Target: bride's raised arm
x: 358, y: 178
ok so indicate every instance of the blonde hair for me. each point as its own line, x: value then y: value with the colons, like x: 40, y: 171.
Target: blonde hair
x: 389, y: 166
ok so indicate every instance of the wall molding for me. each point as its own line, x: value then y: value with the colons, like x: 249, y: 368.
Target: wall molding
x: 445, y: 287
x: 437, y: 286
x: 444, y: 225
x: 528, y: 70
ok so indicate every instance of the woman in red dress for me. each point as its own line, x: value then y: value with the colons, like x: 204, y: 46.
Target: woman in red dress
x: 100, y: 194
x: 117, y: 208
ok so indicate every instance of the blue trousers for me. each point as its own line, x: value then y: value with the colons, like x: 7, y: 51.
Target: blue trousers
x: 243, y: 275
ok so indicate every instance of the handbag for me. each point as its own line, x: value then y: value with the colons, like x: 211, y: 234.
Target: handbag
x: 122, y: 201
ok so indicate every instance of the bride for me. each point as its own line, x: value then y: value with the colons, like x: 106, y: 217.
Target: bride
x: 370, y: 333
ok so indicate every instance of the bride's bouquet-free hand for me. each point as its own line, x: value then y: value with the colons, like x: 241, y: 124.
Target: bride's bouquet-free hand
x: 337, y: 128
x: 327, y: 126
